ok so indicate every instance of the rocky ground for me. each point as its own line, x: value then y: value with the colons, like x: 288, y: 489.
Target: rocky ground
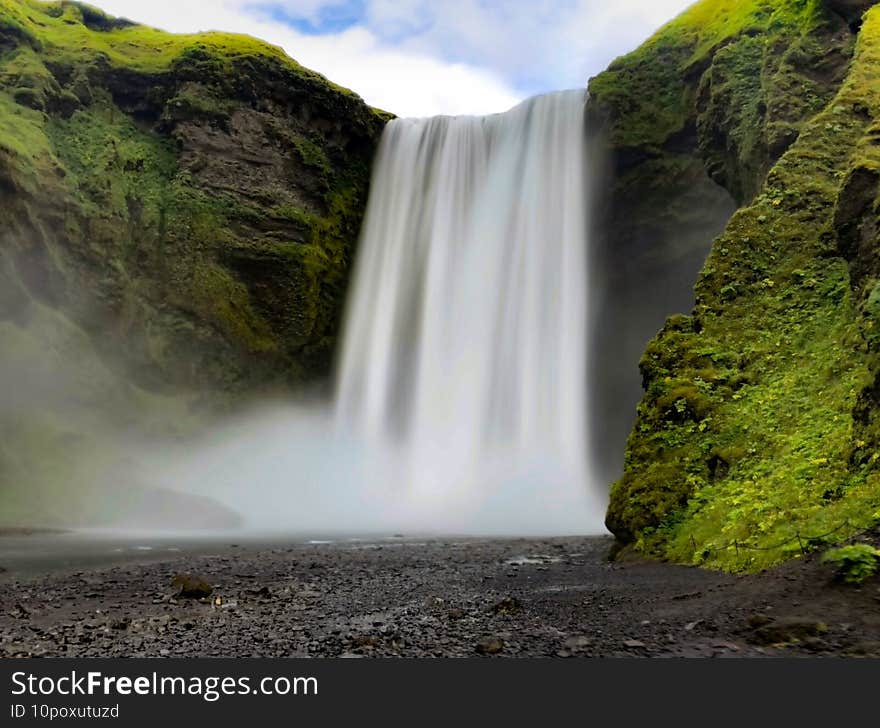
x: 557, y: 598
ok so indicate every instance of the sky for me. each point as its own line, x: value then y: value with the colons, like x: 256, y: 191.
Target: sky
x: 427, y: 57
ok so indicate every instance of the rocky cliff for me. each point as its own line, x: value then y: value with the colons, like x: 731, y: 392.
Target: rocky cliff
x: 177, y: 219
x: 757, y: 438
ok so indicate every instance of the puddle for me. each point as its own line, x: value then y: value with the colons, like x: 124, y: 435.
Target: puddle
x: 533, y: 560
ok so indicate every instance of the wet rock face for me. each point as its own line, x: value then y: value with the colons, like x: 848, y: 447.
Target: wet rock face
x: 159, y: 193
x: 850, y: 10
x: 856, y: 225
x: 651, y: 241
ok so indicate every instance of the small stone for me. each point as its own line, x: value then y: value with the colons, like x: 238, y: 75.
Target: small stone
x: 508, y: 605
x: 191, y: 587
x: 864, y: 649
x: 367, y: 642
x: 19, y: 612
x: 577, y: 643
x: 787, y: 631
x: 726, y: 646
x: 490, y: 646
x: 263, y: 591
x: 758, y: 620
x: 688, y: 595
x: 633, y: 644
x: 691, y: 626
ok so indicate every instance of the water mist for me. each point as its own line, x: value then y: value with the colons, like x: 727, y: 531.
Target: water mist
x: 460, y: 404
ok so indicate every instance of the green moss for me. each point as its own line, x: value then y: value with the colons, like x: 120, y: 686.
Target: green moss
x: 734, y: 108
x: 742, y: 452
x: 34, y: 87
x: 745, y: 75
x: 24, y: 143
x: 312, y: 154
x: 190, y: 104
x: 73, y: 33
x: 112, y: 164
x: 325, y: 262
x: 297, y: 215
x: 648, y: 89
x: 219, y: 298
x: 14, y: 32
x: 645, y: 94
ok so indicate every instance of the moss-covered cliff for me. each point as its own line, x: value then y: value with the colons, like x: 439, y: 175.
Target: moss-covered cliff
x: 198, y: 194
x: 695, y: 118
x: 177, y: 217
x: 757, y: 436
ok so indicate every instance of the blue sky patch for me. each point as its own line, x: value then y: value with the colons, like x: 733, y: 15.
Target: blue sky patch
x: 331, y: 18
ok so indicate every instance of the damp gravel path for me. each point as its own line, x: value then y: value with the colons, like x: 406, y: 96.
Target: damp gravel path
x: 436, y: 598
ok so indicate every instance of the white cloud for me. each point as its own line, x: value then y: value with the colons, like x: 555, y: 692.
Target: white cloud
x: 537, y: 44
x: 407, y: 83
x: 422, y: 57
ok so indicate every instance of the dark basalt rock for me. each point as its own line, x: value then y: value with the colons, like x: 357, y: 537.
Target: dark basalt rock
x: 490, y: 646
x: 786, y: 631
x: 851, y: 10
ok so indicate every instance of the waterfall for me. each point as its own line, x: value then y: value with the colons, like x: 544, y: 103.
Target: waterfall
x: 463, y: 356
x: 460, y: 403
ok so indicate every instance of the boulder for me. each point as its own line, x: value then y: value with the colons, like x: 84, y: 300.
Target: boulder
x: 191, y: 587
x: 490, y: 646
x: 786, y: 631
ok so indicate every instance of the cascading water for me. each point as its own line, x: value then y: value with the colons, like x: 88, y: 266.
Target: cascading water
x: 464, y: 348
x: 461, y: 398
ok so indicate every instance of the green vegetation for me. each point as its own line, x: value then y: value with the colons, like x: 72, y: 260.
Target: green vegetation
x: 118, y: 133
x: 75, y: 33
x: 744, y: 74
x: 749, y: 446
x: 652, y: 90
x: 855, y: 563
